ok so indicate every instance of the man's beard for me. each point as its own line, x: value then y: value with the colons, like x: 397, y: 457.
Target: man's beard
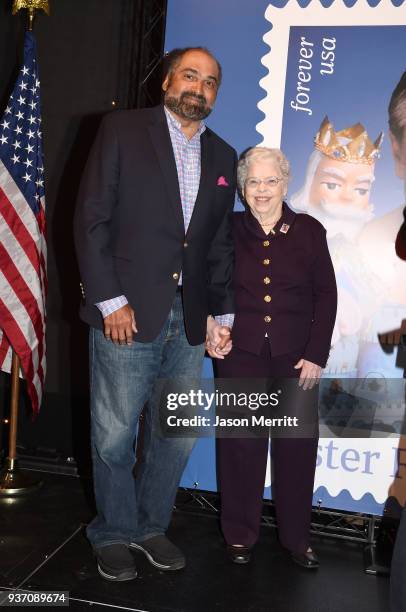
x: 342, y: 218
x: 182, y: 107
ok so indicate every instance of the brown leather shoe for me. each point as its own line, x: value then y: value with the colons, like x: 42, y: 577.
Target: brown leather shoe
x: 239, y: 554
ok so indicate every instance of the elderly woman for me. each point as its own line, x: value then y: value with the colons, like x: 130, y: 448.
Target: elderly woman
x: 286, y: 299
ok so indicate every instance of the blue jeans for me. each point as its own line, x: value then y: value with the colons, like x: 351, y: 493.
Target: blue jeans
x: 123, y: 380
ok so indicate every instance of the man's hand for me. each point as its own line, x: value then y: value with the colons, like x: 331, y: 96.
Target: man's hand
x: 309, y: 375
x: 119, y: 326
x: 218, y: 339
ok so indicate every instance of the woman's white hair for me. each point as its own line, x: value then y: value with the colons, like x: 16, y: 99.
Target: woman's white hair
x: 256, y: 154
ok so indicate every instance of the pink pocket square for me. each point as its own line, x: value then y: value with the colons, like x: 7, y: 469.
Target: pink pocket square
x: 222, y: 181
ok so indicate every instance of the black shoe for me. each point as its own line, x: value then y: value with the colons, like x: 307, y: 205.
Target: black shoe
x: 115, y: 562
x: 308, y: 560
x: 239, y: 554
x: 161, y: 553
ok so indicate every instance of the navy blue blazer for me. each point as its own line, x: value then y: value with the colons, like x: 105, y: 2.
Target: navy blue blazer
x: 129, y: 230
x: 284, y: 286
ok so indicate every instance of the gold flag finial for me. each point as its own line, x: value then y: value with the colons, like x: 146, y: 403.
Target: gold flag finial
x: 31, y: 6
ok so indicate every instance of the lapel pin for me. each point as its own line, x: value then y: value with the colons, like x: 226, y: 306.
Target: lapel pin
x: 284, y: 228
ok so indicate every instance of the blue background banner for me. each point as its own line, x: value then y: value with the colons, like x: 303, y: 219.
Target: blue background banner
x: 368, y: 62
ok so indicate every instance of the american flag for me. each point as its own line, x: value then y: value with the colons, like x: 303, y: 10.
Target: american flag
x: 23, y: 281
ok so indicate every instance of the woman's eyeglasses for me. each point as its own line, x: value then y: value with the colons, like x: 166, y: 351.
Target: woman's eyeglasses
x: 254, y: 183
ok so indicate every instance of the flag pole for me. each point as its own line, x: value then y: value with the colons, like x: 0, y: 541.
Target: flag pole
x: 12, y: 480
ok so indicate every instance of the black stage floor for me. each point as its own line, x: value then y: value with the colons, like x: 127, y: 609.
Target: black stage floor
x: 43, y: 548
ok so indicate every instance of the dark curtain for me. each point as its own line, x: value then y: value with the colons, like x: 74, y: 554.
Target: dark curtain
x: 93, y: 56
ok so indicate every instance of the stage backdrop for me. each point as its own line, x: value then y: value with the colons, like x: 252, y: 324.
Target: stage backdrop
x: 285, y: 70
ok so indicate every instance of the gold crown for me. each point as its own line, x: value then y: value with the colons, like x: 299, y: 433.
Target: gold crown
x: 351, y: 144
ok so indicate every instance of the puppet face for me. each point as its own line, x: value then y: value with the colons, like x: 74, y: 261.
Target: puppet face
x: 341, y: 184
x: 339, y: 196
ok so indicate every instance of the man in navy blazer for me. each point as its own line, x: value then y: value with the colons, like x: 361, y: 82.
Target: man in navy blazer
x: 155, y: 253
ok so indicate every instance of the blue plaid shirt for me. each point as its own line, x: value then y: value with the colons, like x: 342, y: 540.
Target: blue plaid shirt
x: 188, y: 164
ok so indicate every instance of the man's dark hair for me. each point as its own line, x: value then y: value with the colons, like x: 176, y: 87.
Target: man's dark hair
x: 397, y: 109
x: 173, y: 58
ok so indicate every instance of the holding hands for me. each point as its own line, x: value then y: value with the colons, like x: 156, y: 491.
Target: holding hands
x: 218, y: 339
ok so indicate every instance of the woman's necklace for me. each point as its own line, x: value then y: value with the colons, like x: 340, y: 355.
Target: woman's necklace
x: 270, y: 225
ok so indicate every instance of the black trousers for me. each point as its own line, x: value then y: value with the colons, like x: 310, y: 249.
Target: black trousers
x: 242, y: 461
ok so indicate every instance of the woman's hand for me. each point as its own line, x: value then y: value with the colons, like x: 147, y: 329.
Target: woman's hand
x: 310, y: 374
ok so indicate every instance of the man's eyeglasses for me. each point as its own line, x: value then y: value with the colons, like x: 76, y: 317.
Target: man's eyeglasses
x: 254, y: 183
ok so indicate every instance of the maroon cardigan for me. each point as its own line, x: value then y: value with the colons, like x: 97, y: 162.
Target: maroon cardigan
x: 284, y: 286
